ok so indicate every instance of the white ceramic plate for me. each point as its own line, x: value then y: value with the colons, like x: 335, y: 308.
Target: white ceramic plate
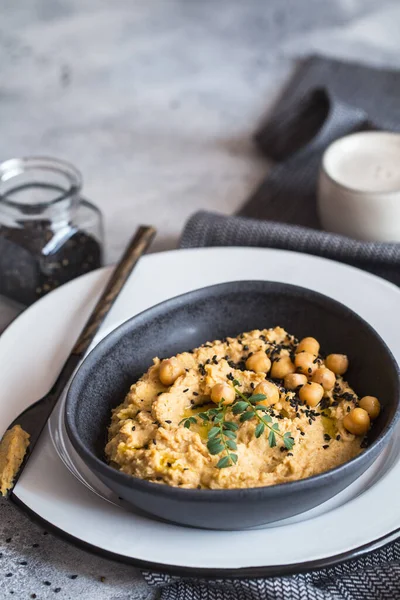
x: 58, y: 489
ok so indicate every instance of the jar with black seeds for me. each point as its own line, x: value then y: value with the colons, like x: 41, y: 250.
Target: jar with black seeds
x: 49, y: 234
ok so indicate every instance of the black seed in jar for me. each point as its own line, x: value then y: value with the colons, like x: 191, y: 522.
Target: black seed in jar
x: 30, y: 267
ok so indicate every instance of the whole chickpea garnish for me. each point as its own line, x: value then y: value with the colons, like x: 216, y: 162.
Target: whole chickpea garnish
x: 223, y: 391
x: 308, y: 344
x: 269, y: 390
x: 305, y: 363
x: 372, y: 405
x: 258, y: 362
x: 338, y: 363
x: 311, y: 393
x: 324, y: 377
x: 170, y: 370
x: 357, y: 421
x: 282, y: 367
x: 294, y: 380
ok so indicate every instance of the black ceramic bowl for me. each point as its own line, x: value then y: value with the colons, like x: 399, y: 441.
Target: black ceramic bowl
x: 211, y: 313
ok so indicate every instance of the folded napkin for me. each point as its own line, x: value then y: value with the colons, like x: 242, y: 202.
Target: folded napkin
x: 325, y: 100
x: 282, y: 213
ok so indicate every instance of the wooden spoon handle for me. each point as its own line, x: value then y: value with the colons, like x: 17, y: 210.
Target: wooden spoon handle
x: 137, y: 246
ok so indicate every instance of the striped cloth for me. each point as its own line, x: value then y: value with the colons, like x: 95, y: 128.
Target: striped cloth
x: 325, y: 100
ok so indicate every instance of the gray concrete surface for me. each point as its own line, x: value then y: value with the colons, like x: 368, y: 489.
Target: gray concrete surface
x: 155, y: 101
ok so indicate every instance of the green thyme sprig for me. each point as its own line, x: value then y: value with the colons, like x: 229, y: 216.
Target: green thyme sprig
x: 249, y: 408
x: 222, y: 435
x: 221, y: 438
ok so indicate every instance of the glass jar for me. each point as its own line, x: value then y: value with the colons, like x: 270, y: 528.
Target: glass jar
x: 48, y: 233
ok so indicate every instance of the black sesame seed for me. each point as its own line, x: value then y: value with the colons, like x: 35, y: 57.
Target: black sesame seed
x: 289, y: 454
x: 310, y: 421
x: 195, y: 394
x: 302, y: 433
x: 184, y: 391
x: 230, y: 377
x: 9, y: 575
x: 245, y: 348
x: 327, y: 437
x: 8, y: 540
x: 154, y: 442
x: 169, y: 464
x: 35, y: 545
x: 348, y: 409
x: 133, y: 427
x: 46, y: 582
x: 33, y: 596
x: 325, y: 446
x: 338, y: 437
x: 168, y: 421
x: 56, y: 590
x: 23, y: 563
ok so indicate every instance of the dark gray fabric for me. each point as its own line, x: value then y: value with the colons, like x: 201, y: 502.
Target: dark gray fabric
x: 374, y: 577
x: 325, y: 100
x: 211, y: 229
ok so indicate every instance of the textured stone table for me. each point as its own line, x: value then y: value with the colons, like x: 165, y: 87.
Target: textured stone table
x: 156, y: 101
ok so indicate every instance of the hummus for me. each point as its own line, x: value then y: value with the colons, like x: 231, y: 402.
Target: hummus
x: 150, y: 437
x: 13, y: 447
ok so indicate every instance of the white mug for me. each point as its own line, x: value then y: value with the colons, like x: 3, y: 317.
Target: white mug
x: 359, y: 186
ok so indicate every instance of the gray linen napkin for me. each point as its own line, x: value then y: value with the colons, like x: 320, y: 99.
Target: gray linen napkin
x: 282, y: 212
x: 325, y: 100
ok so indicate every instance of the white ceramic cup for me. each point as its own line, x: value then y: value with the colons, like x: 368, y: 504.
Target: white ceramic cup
x: 359, y: 186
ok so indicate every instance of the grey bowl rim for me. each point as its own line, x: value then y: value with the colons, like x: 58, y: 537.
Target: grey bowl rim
x: 219, y: 495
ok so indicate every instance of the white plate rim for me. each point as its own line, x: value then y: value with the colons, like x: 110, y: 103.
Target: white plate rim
x: 237, y: 572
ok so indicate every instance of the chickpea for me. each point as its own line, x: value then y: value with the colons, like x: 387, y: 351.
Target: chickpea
x: 357, y: 421
x: 308, y: 344
x: 293, y: 380
x: 371, y: 405
x: 223, y: 391
x: 258, y: 362
x: 282, y: 367
x: 324, y: 377
x: 311, y: 393
x: 270, y: 390
x: 338, y: 363
x: 304, y: 363
x: 170, y: 370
